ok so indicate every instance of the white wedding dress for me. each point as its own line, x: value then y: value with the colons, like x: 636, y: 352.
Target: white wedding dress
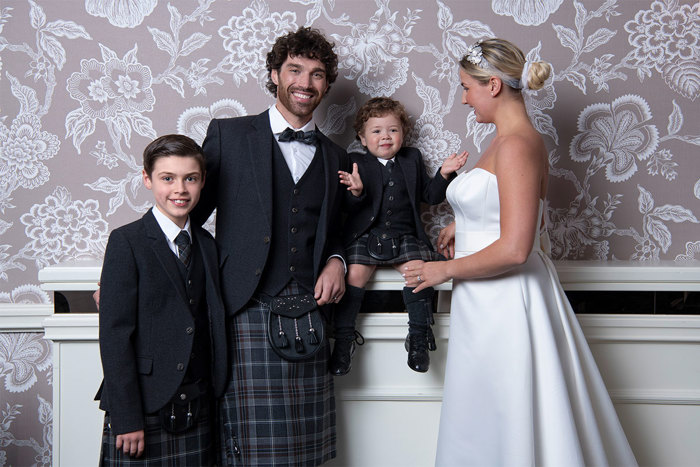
x: 521, y: 385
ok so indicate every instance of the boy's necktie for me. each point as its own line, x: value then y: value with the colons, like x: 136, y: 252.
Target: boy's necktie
x: 184, y: 247
x: 390, y: 166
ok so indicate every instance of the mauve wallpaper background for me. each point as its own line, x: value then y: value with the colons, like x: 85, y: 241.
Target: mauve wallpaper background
x: 85, y: 85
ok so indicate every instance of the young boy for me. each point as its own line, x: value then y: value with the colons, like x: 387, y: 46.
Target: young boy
x: 162, y: 332
x: 383, y: 226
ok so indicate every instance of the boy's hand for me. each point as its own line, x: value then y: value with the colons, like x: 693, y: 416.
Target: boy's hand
x: 453, y: 164
x: 352, y: 180
x: 132, y: 443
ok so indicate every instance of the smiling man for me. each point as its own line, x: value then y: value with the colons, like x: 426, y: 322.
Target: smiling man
x: 273, y: 179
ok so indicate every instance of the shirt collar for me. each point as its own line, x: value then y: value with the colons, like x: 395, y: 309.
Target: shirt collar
x: 384, y: 161
x: 170, y: 228
x: 278, y: 124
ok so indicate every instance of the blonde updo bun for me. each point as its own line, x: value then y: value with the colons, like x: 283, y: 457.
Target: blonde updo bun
x: 538, y: 74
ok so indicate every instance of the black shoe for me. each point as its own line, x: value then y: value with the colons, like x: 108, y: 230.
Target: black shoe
x: 344, y: 349
x: 417, y: 348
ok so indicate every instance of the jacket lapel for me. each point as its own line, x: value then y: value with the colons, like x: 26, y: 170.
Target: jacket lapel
x: 375, y: 180
x: 164, y: 254
x: 330, y: 170
x: 408, y: 175
x: 208, y: 250
x: 260, y: 143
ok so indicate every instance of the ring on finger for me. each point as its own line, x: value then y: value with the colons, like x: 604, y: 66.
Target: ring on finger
x: 419, y: 279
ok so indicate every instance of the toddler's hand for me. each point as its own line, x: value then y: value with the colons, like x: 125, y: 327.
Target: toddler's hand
x: 352, y: 180
x: 454, y: 163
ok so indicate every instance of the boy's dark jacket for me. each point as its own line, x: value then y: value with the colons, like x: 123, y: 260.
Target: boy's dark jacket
x: 146, y: 327
x: 363, y: 210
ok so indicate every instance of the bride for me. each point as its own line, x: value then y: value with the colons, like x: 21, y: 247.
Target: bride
x: 521, y: 385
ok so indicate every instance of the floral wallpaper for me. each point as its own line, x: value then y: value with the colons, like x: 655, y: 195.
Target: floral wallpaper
x: 85, y: 85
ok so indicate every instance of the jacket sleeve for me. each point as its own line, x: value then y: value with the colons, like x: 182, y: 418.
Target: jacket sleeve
x: 212, y: 154
x: 433, y: 189
x: 117, y: 326
x: 351, y: 203
x: 334, y: 240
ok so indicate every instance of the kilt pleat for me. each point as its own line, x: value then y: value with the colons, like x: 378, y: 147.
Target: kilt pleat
x: 193, y: 447
x: 275, y: 412
x: 410, y: 248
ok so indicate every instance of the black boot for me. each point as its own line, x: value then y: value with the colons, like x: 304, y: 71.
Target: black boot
x: 420, y: 336
x: 346, y: 336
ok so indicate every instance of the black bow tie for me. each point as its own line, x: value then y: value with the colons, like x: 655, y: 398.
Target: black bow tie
x: 306, y: 137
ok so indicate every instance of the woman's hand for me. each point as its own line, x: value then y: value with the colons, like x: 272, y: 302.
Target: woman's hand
x: 425, y: 275
x: 446, y: 241
x: 352, y: 180
x: 453, y: 164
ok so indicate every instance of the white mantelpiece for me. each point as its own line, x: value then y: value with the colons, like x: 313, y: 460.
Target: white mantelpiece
x: 388, y: 415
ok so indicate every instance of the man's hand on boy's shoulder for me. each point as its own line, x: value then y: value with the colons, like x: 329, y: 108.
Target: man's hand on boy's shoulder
x: 133, y: 443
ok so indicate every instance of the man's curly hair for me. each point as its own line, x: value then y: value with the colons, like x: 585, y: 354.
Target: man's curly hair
x: 304, y: 42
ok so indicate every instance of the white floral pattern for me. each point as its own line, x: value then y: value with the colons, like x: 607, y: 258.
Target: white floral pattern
x: 21, y: 355
x: 369, y: 53
x: 526, y: 12
x: 194, y: 121
x: 121, y: 13
x: 60, y: 228
x: 27, y: 293
x: 116, y: 91
x: 85, y: 85
x: 24, y: 146
x: 667, y: 38
x: 249, y: 37
x: 615, y: 135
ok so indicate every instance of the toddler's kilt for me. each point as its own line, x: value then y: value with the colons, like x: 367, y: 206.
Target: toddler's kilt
x: 410, y: 248
x: 275, y: 412
x: 192, y: 447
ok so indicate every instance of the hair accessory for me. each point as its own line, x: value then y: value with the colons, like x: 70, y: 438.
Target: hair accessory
x: 474, y: 55
x: 525, y: 75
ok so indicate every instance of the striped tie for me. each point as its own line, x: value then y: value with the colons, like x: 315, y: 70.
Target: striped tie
x: 184, y: 247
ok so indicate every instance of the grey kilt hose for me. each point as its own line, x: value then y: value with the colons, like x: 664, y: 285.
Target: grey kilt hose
x: 192, y: 447
x: 274, y: 412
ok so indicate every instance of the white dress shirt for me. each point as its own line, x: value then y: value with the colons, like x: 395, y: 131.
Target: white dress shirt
x: 170, y: 228
x: 298, y: 155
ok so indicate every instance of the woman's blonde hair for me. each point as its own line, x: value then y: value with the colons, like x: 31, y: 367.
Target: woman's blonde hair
x: 502, y: 58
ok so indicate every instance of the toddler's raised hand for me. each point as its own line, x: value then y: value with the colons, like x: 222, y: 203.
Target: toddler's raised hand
x: 453, y: 163
x: 352, y: 180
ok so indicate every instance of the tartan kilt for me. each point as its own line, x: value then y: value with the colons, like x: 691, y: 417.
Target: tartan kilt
x: 274, y: 412
x: 192, y: 447
x: 410, y: 248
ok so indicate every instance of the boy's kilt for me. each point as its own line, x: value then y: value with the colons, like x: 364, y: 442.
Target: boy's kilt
x: 192, y: 447
x: 410, y: 248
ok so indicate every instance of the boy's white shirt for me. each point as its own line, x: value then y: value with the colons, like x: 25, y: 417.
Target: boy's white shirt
x: 298, y: 155
x: 170, y: 228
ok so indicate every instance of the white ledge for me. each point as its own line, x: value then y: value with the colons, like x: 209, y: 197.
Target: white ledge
x: 574, y: 275
x: 22, y: 317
